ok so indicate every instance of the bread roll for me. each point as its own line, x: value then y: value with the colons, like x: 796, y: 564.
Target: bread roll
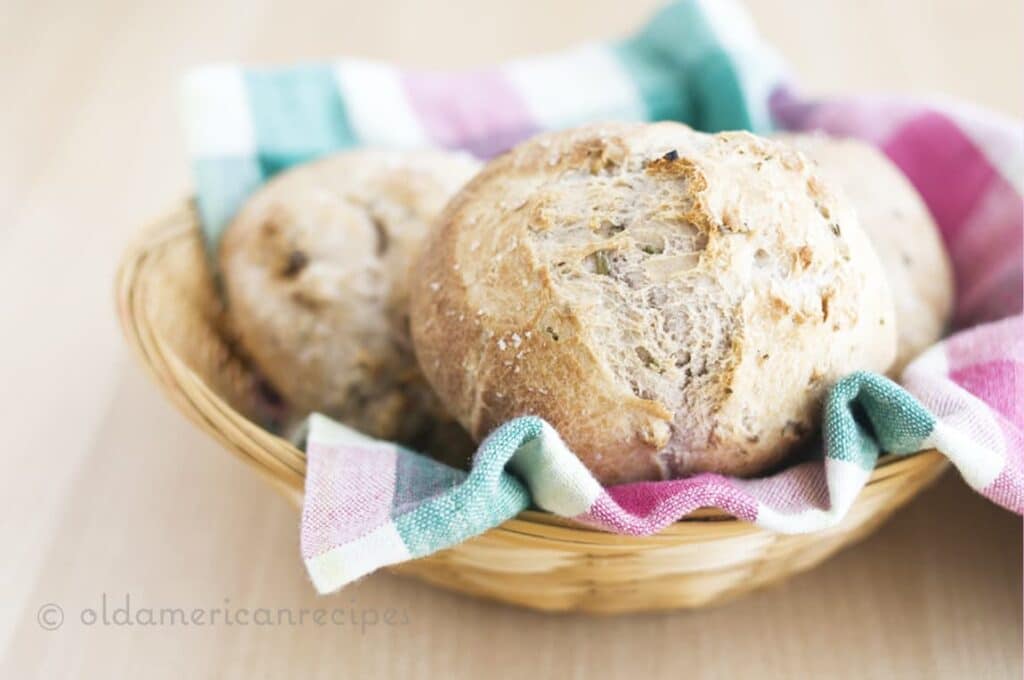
x: 315, y: 269
x: 901, y: 229
x: 672, y: 302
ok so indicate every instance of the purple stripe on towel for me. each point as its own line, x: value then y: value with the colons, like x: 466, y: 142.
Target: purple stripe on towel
x: 872, y: 120
x: 477, y: 110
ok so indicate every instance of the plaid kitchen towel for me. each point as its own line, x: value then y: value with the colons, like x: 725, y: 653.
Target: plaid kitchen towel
x: 370, y: 503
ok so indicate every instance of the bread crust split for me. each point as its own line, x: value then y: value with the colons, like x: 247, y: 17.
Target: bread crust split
x: 672, y: 302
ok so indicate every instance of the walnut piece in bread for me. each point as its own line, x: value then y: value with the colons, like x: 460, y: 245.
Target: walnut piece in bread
x: 315, y: 269
x: 671, y: 301
x: 902, y: 231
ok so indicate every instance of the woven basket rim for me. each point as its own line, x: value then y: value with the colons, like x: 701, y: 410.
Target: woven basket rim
x: 283, y: 464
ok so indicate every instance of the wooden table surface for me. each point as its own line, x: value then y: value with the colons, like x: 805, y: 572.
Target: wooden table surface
x: 109, y: 493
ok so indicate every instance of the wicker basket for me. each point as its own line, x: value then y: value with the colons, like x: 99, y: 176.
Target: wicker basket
x: 171, y: 315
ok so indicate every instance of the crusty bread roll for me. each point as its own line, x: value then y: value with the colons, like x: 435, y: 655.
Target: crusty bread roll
x: 671, y: 301
x: 901, y: 229
x: 315, y: 269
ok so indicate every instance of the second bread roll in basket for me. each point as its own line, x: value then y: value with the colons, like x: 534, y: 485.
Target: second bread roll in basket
x: 315, y: 270
x: 902, y: 231
x: 671, y: 301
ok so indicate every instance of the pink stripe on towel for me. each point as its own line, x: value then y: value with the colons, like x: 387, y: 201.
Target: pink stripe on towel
x: 646, y: 507
x: 477, y: 110
x: 988, y: 256
x: 996, y: 383
x: 348, y: 488
x: 872, y: 120
x: 1008, y: 488
x: 931, y: 149
x: 990, y: 342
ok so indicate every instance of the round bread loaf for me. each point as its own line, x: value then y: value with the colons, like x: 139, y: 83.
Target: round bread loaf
x: 315, y: 269
x: 670, y: 301
x: 902, y: 231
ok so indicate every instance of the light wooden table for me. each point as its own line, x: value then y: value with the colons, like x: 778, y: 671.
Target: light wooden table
x: 107, y: 490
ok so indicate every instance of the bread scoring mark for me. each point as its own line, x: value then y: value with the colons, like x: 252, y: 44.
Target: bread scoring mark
x: 624, y: 246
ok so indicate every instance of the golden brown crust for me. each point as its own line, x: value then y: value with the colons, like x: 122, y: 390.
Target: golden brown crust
x: 670, y: 301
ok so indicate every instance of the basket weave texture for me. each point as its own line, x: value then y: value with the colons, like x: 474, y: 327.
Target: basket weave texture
x: 171, y: 314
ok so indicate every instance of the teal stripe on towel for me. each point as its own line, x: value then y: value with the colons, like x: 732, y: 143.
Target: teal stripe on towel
x: 298, y: 115
x: 865, y: 413
x: 664, y: 91
x: 684, y: 74
x: 224, y: 184
x: 488, y: 497
x: 900, y: 423
x: 460, y: 514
